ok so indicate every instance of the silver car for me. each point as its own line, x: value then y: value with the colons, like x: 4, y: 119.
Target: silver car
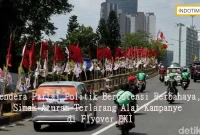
x: 63, y: 102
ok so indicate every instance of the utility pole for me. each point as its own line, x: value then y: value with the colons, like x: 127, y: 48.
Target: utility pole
x: 180, y: 33
x: 192, y: 39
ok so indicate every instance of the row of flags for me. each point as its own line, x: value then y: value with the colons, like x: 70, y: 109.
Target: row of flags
x: 74, y: 63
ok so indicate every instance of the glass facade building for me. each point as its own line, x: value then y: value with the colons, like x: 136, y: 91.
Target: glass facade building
x: 127, y: 6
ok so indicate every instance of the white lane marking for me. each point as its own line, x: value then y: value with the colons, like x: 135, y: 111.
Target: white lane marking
x: 140, y: 108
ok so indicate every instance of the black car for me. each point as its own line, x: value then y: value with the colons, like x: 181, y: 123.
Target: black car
x: 196, y: 74
x: 192, y: 68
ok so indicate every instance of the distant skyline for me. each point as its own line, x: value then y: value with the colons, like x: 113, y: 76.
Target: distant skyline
x: 88, y: 12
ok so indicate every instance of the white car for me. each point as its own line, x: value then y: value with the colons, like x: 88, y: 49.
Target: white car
x: 177, y: 72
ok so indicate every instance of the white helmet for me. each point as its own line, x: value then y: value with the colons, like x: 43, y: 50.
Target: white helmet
x: 162, y: 66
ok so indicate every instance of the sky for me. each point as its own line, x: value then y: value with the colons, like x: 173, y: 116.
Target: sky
x: 88, y: 12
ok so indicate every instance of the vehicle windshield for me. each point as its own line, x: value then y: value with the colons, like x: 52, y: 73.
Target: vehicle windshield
x: 174, y: 70
x: 196, y: 64
x: 62, y: 91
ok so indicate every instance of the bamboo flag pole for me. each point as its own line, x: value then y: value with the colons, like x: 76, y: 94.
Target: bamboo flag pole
x: 69, y: 66
x: 54, y: 61
x: 73, y: 71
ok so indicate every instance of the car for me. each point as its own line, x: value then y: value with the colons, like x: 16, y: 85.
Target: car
x: 177, y: 71
x: 61, y: 102
x: 196, y: 73
x: 192, y: 67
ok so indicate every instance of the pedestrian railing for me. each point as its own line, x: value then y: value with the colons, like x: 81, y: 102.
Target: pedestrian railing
x: 96, y: 85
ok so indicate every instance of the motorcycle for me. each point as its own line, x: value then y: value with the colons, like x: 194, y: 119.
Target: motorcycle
x: 184, y: 84
x: 171, y: 96
x: 125, y: 124
x: 161, y: 78
x: 141, y: 86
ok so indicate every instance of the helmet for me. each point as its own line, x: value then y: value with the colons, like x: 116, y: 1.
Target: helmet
x: 162, y: 66
x: 184, y: 70
x: 171, y: 75
x: 131, y: 79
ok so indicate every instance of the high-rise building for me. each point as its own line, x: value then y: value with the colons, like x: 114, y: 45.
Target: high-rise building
x: 185, y: 44
x: 127, y: 6
x: 150, y: 24
x: 129, y: 19
x: 199, y: 42
x: 106, y: 8
x: 139, y: 21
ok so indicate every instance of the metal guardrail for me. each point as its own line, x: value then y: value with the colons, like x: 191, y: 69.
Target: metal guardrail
x: 97, y: 85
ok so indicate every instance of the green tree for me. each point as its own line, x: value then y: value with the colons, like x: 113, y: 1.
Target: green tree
x: 73, y: 24
x: 86, y: 38
x: 30, y: 18
x: 114, y: 38
x: 102, y: 32
x: 139, y: 39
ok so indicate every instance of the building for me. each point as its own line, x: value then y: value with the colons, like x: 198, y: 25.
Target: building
x: 129, y: 20
x: 199, y: 42
x: 130, y: 23
x: 106, y: 8
x: 127, y: 6
x: 185, y: 44
x: 150, y: 24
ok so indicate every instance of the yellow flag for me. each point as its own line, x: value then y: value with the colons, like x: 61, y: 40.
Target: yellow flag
x: 195, y: 58
x: 21, y: 73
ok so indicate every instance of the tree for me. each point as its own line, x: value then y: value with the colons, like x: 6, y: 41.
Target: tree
x: 86, y: 38
x: 29, y: 18
x: 114, y: 38
x: 73, y: 24
x: 102, y: 32
x: 139, y: 39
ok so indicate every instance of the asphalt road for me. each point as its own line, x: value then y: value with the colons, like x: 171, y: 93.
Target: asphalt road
x: 147, y: 122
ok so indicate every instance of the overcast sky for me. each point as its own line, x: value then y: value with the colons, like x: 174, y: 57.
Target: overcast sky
x: 88, y: 12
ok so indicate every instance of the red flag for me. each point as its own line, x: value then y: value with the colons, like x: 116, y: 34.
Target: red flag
x: 75, y: 53
x: 25, y: 57
x: 58, y: 54
x: 100, y: 54
x: 32, y: 59
x: 107, y: 53
x: 9, y: 56
x: 44, y: 48
x: 118, y: 53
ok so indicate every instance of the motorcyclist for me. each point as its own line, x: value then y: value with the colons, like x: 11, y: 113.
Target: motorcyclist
x: 172, y: 83
x: 124, y: 98
x: 185, y: 76
x: 132, y: 85
x: 142, y: 77
x: 162, y: 70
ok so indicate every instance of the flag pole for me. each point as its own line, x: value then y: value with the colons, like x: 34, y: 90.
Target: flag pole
x: 5, y: 75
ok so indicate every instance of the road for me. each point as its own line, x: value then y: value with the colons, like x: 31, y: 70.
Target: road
x: 147, y: 122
